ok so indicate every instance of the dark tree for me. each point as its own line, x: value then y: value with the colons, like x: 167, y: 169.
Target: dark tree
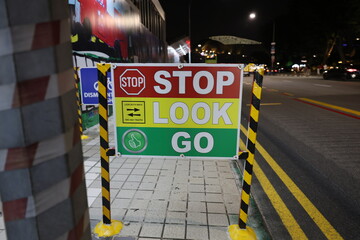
x: 323, y: 28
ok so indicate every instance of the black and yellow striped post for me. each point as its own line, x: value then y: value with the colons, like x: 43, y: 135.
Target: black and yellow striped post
x: 107, y: 227
x: 78, y: 101
x: 241, y: 230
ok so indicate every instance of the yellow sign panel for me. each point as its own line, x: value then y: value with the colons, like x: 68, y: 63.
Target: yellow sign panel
x: 133, y: 112
x: 174, y: 113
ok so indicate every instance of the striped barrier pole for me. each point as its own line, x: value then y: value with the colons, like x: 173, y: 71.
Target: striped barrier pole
x: 241, y: 231
x: 107, y: 227
x: 78, y: 101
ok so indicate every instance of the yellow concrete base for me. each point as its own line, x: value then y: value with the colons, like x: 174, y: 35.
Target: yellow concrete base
x: 106, y: 230
x: 83, y: 137
x: 236, y: 233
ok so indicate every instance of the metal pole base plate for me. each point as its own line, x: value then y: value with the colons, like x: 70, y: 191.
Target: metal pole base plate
x: 83, y: 137
x: 106, y: 230
x: 236, y: 233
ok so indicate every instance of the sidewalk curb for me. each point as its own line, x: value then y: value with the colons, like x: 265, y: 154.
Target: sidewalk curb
x: 256, y: 220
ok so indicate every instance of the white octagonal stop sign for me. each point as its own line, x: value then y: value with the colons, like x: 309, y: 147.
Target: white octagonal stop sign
x: 132, y: 82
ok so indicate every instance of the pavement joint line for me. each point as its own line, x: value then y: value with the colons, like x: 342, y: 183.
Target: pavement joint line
x: 323, y: 224
x: 322, y: 85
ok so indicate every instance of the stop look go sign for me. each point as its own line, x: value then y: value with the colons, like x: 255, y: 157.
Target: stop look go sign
x: 190, y: 110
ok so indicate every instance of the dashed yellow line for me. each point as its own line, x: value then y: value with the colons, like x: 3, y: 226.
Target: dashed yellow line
x: 331, y: 106
x: 319, y: 219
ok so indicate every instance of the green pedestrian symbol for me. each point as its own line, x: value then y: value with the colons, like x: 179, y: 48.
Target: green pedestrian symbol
x: 134, y: 140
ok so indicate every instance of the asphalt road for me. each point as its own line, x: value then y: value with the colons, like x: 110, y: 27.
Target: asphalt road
x: 307, y: 169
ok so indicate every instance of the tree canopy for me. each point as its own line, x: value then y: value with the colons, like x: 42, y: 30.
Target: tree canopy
x: 324, y: 32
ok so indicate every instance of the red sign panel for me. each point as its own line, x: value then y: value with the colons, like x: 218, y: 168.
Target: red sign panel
x: 174, y: 82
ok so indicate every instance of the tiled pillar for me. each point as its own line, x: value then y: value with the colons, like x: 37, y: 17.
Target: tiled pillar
x: 42, y: 184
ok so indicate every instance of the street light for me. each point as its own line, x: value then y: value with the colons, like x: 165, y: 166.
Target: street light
x: 252, y: 16
x: 189, y: 17
x: 272, y: 50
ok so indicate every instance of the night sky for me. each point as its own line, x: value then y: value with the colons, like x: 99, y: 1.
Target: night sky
x: 225, y: 17
x: 303, y: 29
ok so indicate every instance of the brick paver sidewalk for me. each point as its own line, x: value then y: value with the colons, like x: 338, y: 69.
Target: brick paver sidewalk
x: 160, y: 198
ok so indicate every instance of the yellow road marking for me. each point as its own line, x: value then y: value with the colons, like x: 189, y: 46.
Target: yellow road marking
x: 331, y: 106
x: 286, y: 216
x: 319, y: 219
x: 267, y: 104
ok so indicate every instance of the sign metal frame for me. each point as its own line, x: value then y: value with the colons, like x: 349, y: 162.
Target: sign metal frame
x: 135, y: 138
